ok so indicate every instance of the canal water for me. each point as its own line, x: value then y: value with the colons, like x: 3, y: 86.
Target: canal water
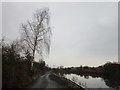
x: 90, y: 82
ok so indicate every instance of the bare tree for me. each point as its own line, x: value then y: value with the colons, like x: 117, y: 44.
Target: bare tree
x: 37, y: 33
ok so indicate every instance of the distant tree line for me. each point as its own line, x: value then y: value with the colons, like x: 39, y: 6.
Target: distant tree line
x: 107, y: 70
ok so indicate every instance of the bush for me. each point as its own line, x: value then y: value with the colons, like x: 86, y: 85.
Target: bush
x: 111, y: 70
x: 16, y: 69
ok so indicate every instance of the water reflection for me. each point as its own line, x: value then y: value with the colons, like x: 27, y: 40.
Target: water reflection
x: 113, y: 83
x: 94, y: 82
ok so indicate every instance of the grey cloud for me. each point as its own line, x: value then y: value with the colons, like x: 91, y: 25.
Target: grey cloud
x: 83, y: 33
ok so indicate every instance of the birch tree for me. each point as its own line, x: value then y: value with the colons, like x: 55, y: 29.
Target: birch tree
x: 37, y: 34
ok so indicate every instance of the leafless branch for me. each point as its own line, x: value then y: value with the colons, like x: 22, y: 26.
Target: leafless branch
x: 37, y: 32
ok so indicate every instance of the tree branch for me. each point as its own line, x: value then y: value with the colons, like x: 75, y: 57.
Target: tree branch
x: 28, y: 43
x: 32, y: 29
x: 28, y: 36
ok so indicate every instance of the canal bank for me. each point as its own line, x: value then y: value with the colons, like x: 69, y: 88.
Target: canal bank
x: 65, y: 82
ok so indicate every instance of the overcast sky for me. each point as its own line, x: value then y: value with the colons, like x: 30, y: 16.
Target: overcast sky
x: 83, y: 33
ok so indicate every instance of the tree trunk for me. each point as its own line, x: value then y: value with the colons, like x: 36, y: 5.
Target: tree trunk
x: 34, y: 53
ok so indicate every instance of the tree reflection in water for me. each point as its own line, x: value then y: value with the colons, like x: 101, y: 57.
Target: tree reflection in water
x: 108, y: 73
x: 112, y: 82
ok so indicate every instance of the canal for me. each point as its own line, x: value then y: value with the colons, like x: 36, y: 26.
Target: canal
x: 94, y: 82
